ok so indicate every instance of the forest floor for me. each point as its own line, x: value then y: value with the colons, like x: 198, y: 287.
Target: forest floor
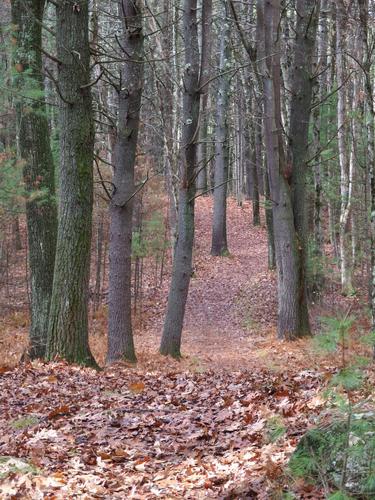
x: 221, y: 423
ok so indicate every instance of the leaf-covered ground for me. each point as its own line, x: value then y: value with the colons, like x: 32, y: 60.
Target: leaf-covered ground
x: 122, y: 433
x: 219, y: 424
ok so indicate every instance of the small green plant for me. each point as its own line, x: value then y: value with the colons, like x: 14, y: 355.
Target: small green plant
x: 340, y: 455
x: 275, y: 429
x: 24, y: 422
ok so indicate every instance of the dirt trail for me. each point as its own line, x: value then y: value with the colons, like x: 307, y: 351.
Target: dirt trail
x: 231, y: 313
x: 232, y: 299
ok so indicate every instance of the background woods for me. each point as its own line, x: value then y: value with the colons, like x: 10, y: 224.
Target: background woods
x: 188, y: 180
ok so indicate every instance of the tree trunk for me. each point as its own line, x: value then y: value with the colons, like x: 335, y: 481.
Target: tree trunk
x: 256, y: 160
x: 288, y: 208
x: 269, y: 221
x: 68, y: 324
x: 370, y: 125
x: 316, y: 283
x: 345, y: 171
x: 203, y: 79
x: 219, y: 245
x: 34, y: 141
x: 120, y: 335
x: 99, y: 261
x: 182, y: 263
x: 300, y: 110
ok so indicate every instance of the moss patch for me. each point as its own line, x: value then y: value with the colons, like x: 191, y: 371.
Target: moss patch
x: 24, y: 422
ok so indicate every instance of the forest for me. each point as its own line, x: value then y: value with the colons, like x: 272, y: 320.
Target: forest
x: 187, y: 249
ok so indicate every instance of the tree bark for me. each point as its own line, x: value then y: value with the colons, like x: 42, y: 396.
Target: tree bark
x: 286, y: 190
x: 300, y: 111
x: 38, y: 174
x: 316, y: 282
x: 120, y: 335
x: 182, y: 263
x: 68, y: 324
x: 219, y: 245
x: 203, y: 79
x: 346, y: 173
x: 370, y: 126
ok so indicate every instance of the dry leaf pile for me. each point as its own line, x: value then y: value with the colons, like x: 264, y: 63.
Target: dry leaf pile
x: 122, y: 433
x: 219, y: 424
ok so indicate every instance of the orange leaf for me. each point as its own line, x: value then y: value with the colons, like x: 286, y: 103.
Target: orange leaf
x: 57, y: 412
x: 137, y: 387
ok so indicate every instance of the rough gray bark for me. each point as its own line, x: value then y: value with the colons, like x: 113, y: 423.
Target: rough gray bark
x: 300, y: 110
x: 120, y: 336
x: 256, y: 167
x: 288, y: 210
x: 169, y: 107
x: 269, y: 220
x: 38, y: 174
x: 260, y: 51
x: 68, y: 324
x: 182, y: 263
x: 203, y: 79
x: 317, y: 278
x: 219, y: 244
x: 370, y: 125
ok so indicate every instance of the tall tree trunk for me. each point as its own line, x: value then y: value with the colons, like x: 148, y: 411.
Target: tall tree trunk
x: 370, y: 125
x: 345, y: 173
x: 269, y: 220
x: 35, y: 149
x: 286, y: 189
x: 219, y: 245
x: 317, y: 278
x: 169, y: 108
x: 256, y: 161
x: 182, y: 263
x: 120, y: 336
x: 203, y: 79
x: 300, y: 110
x: 68, y: 324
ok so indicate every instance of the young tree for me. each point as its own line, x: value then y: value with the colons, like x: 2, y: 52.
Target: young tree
x: 182, y: 263
x: 120, y: 337
x: 34, y: 146
x: 346, y: 173
x: 68, y: 324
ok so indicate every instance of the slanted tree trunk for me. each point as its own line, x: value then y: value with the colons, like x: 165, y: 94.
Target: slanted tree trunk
x: 120, y: 335
x: 182, y: 263
x: 68, y: 324
x: 34, y: 141
x: 219, y: 245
